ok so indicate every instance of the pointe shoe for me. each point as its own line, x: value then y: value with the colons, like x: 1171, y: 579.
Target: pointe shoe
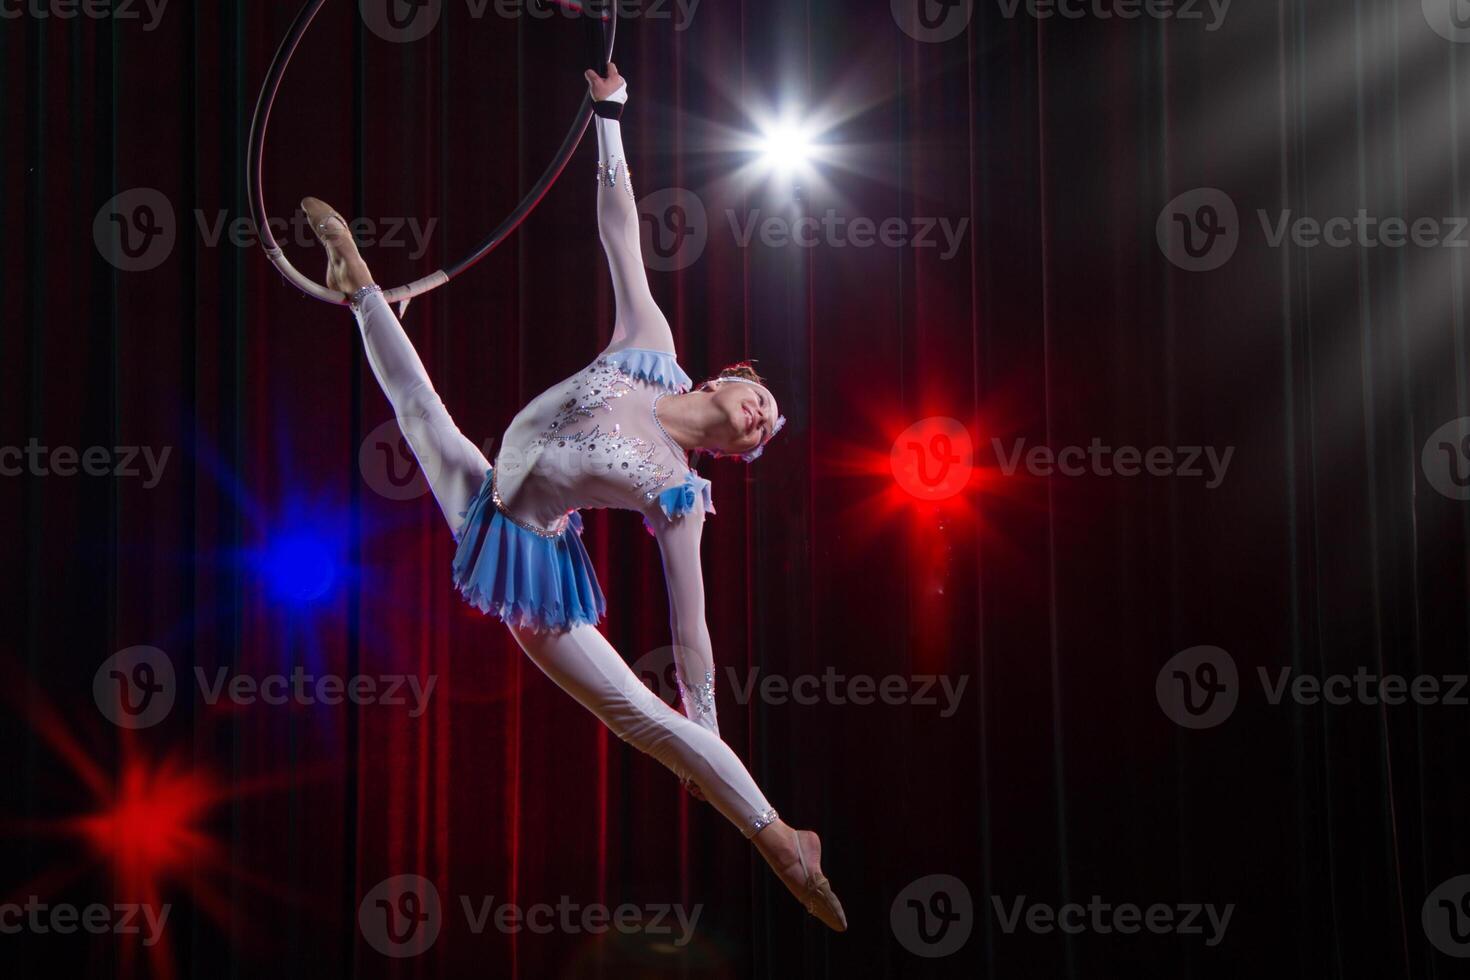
x: 817, y: 893
x: 345, y: 269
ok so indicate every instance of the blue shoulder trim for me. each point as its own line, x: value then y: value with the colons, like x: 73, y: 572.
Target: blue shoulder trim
x: 678, y: 500
x: 656, y: 366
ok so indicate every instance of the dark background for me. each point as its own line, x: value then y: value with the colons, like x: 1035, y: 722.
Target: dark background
x: 1060, y: 320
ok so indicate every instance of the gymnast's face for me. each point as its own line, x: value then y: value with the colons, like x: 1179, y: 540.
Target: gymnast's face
x: 748, y: 415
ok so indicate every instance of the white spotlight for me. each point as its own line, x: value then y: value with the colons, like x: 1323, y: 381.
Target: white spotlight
x: 785, y: 148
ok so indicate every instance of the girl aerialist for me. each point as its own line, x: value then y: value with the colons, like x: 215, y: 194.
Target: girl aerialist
x: 618, y: 433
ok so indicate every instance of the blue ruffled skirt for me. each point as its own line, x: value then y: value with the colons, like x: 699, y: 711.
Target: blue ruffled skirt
x: 525, y: 578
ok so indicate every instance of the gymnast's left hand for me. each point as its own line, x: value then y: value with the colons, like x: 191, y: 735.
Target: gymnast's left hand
x: 601, y: 87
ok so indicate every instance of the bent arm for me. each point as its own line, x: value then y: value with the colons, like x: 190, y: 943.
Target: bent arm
x: 694, y: 662
x: 639, y: 323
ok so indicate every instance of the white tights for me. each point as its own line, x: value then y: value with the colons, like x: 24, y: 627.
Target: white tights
x: 579, y: 660
x: 587, y: 667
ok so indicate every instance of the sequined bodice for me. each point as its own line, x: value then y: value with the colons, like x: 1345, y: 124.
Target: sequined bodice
x: 590, y: 441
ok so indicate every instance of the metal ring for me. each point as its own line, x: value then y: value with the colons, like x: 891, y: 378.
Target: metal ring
x: 255, y: 156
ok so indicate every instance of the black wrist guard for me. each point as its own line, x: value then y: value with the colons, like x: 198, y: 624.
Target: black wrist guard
x: 608, y: 109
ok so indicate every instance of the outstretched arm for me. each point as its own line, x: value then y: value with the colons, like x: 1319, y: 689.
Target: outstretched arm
x: 678, y: 542
x: 639, y: 323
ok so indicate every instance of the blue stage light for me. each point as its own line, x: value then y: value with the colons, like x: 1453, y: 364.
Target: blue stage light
x: 297, y: 567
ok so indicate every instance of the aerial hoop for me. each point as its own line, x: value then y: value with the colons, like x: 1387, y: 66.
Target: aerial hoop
x: 398, y: 294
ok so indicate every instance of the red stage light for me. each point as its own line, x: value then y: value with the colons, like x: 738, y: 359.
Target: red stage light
x: 933, y: 458
x: 151, y: 826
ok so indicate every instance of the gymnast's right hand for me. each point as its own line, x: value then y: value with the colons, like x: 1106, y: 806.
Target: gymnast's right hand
x: 601, y: 87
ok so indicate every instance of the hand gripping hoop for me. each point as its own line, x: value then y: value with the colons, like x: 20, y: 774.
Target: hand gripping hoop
x: 398, y: 294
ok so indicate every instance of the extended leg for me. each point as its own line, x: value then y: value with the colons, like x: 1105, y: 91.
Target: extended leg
x: 586, y: 666
x: 453, y: 465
